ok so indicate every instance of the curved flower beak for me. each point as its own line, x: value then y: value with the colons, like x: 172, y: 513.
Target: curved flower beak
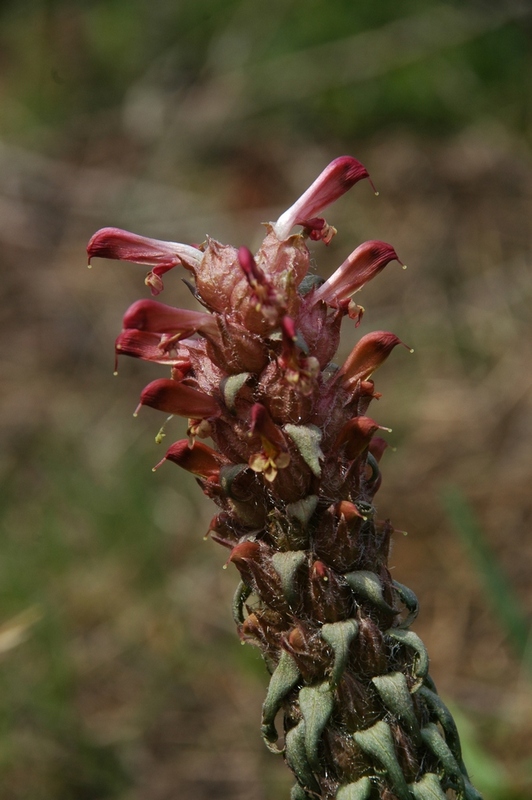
x: 174, y: 397
x: 356, y: 435
x: 335, y: 180
x: 126, y: 246
x: 199, y: 459
x: 367, y: 355
x: 360, y: 267
x: 149, y: 315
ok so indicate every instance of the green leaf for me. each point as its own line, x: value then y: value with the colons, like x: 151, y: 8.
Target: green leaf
x: 445, y: 718
x: 303, y: 509
x: 316, y: 704
x: 377, y: 742
x: 339, y: 636
x: 231, y: 386
x: 298, y: 793
x: 410, y: 600
x: 439, y: 747
x: 360, y: 790
x: 284, y: 678
x: 368, y: 586
x: 421, y: 662
x: 428, y: 788
x: 395, y: 694
x: 296, y: 757
x: 240, y: 596
x: 286, y: 566
x: 307, y: 439
x: 228, y: 475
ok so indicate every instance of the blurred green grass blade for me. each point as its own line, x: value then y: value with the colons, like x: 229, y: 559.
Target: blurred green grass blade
x: 498, y: 588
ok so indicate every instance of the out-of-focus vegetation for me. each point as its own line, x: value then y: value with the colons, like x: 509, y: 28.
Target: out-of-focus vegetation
x: 120, y: 672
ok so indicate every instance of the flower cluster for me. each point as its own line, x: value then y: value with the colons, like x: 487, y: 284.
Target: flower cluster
x: 293, y: 468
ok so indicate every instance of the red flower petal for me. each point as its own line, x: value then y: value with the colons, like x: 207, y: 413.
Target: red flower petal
x: 360, y: 267
x: 146, y: 345
x: 370, y: 352
x: 336, y: 179
x: 356, y: 435
x: 174, y: 397
x: 126, y: 246
x: 198, y: 459
x: 149, y: 315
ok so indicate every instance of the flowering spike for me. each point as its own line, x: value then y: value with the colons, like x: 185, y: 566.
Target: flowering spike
x: 336, y: 179
x: 294, y: 471
x: 360, y: 267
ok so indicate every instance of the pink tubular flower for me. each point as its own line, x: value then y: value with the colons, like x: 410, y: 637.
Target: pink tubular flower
x: 125, y: 246
x: 332, y: 183
x: 149, y: 315
x: 174, y: 397
x: 198, y: 459
x: 360, y: 267
x: 357, y: 434
x: 370, y: 352
x: 162, y: 256
x: 148, y: 347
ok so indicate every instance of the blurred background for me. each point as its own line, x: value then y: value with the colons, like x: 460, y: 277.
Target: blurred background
x: 121, y: 675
